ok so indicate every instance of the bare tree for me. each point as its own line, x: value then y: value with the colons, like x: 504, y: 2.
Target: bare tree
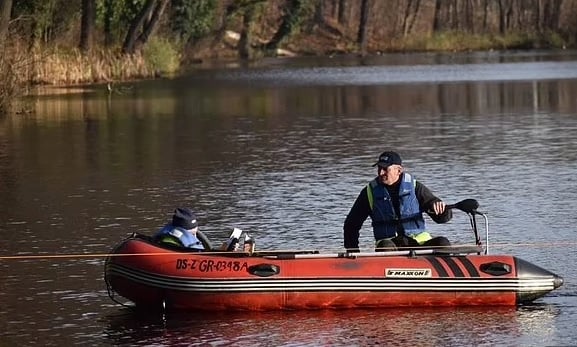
x: 505, y: 14
x: 225, y: 12
x: 9, y: 84
x: 363, y: 27
x: 108, y: 14
x: 454, y: 14
x: 244, y: 48
x: 342, y: 6
x: 5, y: 10
x: 502, y: 16
x: 485, y: 14
x: 551, y: 14
x: 87, y: 25
x: 437, y: 16
x: 318, y: 18
x: 143, y: 25
x: 467, y: 13
x: 290, y: 18
x: 410, y: 15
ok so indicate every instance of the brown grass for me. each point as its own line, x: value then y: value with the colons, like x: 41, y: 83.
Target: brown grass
x: 72, y: 67
x: 14, y: 81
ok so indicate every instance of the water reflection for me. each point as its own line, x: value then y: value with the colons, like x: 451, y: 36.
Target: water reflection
x: 403, y: 327
x: 330, y: 76
x: 285, y: 162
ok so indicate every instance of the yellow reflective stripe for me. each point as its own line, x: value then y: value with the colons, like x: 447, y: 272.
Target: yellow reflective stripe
x: 171, y: 240
x: 370, y: 196
x: 422, y: 237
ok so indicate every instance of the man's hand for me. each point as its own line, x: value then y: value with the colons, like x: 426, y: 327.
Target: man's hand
x: 439, y: 207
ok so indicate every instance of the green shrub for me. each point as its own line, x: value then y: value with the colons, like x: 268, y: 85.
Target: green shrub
x: 555, y: 40
x: 161, y: 56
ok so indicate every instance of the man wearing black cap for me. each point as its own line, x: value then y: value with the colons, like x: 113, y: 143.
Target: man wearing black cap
x: 182, y: 231
x: 395, y: 201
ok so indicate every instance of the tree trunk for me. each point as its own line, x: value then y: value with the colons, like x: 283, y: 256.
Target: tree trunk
x: 362, y: 34
x: 108, y: 14
x: 87, y: 25
x: 244, y: 49
x: 501, y: 17
x: 437, y: 16
x: 5, y: 12
x: 334, y: 9
x: 223, y: 13
x: 405, y: 20
x: 342, y: 7
x: 415, y: 15
x: 226, y: 11
x: 289, y: 19
x: 468, y: 14
x: 151, y: 25
x: 319, y: 16
x: 130, y: 41
x: 134, y: 40
x: 410, y: 15
x: 485, y: 12
x: 552, y: 15
x: 508, y: 15
x: 454, y: 11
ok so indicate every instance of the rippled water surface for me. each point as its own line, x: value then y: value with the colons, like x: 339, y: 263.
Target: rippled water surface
x: 281, y: 150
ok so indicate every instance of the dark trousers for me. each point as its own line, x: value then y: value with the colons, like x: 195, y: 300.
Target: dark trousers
x: 402, y: 242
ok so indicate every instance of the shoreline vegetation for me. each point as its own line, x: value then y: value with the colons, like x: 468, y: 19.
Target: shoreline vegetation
x: 55, y: 43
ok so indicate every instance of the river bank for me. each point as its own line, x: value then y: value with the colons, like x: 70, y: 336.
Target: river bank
x: 24, y: 70
x: 160, y: 58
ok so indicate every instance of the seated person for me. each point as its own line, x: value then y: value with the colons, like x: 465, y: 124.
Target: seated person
x: 395, y: 201
x: 183, y: 231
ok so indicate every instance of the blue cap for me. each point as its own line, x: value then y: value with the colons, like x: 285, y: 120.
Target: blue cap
x: 184, y: 218
x: 389, y: 158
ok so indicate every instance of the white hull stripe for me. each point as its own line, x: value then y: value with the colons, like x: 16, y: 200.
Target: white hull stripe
x: 535, y: 284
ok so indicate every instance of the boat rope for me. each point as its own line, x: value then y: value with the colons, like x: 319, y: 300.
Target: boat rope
x: 268, y: 252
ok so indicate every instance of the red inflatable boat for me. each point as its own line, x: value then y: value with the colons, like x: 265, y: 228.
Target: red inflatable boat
x: 156, y: 277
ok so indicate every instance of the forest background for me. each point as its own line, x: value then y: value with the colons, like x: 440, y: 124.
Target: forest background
x: 64, y: 42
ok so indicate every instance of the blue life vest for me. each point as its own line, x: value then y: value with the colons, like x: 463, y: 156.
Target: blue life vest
x: 186, y: 238
x: 385, y: 220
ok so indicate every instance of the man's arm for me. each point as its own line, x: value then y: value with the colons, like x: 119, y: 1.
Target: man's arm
x: 355, y: 219
x: 426, y: 201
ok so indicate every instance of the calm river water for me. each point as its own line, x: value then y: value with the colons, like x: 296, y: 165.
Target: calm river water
x: 281, y: 149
